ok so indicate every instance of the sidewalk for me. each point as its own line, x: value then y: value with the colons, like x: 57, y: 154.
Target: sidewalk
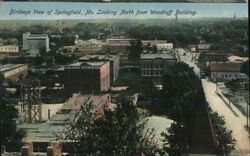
x: 234, y: 119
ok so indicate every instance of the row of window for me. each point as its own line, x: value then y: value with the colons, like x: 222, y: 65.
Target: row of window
x: 152, y: 66
x: 155, y: 73
x: 227, y: 75
x: 7, y: 48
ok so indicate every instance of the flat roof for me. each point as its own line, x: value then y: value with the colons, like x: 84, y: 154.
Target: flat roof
x: 8, y: 67
x: 224, y: 67
x: 157, y: 56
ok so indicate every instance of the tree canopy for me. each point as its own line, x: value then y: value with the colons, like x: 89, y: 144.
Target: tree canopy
x: 116, y: 132
x: 11, y: 136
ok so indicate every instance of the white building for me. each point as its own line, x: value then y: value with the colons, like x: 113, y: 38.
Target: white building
x: 164, y: 46
x: 226, y: 71
x: 35, y: 42
x: 203, y: 47
x: 8, y: 49
x: 92, y: 43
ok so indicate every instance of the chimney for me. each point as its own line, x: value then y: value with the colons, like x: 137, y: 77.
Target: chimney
x: 54, y: 149
x: 27, y: 149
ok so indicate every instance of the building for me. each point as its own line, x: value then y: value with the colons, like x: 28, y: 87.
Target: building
x: 237, y: 59
x: 34, y: 42
x: 41, y: 134
x: 192, y: 48
x: 9, y: 49
x: 14, y: 71
x: 91, y: 45
x: 216, y: 56
x: 203, y: 47
x: 153, y: 42
x: 118, y: 45
x: 86, y: 77
x: 114, y: 63
x: 226, y: 71
x: 153, y: 66
x: 164, y: 46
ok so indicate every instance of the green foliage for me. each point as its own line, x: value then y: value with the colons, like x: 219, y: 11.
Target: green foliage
x: 174, y: 140
x: 179, y: 89
x: 245, y: 67
x: 117, y: 132
x: 135, y: 50
x: 11, y: 137
x: 224, y: 136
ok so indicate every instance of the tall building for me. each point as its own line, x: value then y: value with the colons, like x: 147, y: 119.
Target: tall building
x: 114, y: 63
x: 87, y: 77
x: 34, y: 42
x: 153, y: 66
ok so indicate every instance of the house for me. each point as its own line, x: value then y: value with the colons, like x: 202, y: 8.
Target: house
x: 226, y: 71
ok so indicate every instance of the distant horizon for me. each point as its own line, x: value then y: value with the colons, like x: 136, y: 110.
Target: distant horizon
x: 89, y: 11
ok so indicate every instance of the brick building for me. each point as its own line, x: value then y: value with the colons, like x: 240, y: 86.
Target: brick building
x: 86, y: 77
x: 114, y: 63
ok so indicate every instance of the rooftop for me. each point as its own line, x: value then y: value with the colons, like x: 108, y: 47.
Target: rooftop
x: 158, y: 56
x: 98, y: 57
x: 224, y: 67
x: 56, y: 125
x: 8, y: 67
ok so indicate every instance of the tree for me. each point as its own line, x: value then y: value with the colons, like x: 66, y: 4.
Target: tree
x: 135, y: 50
x: 224, y: 136
x: 179, y: 89
x: 174, y: 140
x: 117, y: 132
x: 11, y: 136
x: 245, y: 67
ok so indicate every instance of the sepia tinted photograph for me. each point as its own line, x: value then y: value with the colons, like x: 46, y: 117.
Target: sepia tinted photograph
x: 124, y: 79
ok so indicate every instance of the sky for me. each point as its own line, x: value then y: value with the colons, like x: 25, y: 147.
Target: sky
x: 67, y: 10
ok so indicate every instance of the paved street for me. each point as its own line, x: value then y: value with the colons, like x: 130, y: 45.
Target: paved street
x: 187, y: 58
x: 235, y: 121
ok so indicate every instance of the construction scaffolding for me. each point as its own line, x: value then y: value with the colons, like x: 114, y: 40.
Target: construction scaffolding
x: 31, y: 108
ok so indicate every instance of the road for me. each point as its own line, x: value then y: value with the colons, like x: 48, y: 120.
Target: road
x: 234, y: 119
x: 185, y: 56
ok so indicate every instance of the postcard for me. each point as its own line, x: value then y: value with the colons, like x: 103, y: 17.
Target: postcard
x: 124, y: 78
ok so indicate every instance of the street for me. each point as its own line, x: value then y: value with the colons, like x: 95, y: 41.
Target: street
x: 186, y: 57
x: 234, y: 119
